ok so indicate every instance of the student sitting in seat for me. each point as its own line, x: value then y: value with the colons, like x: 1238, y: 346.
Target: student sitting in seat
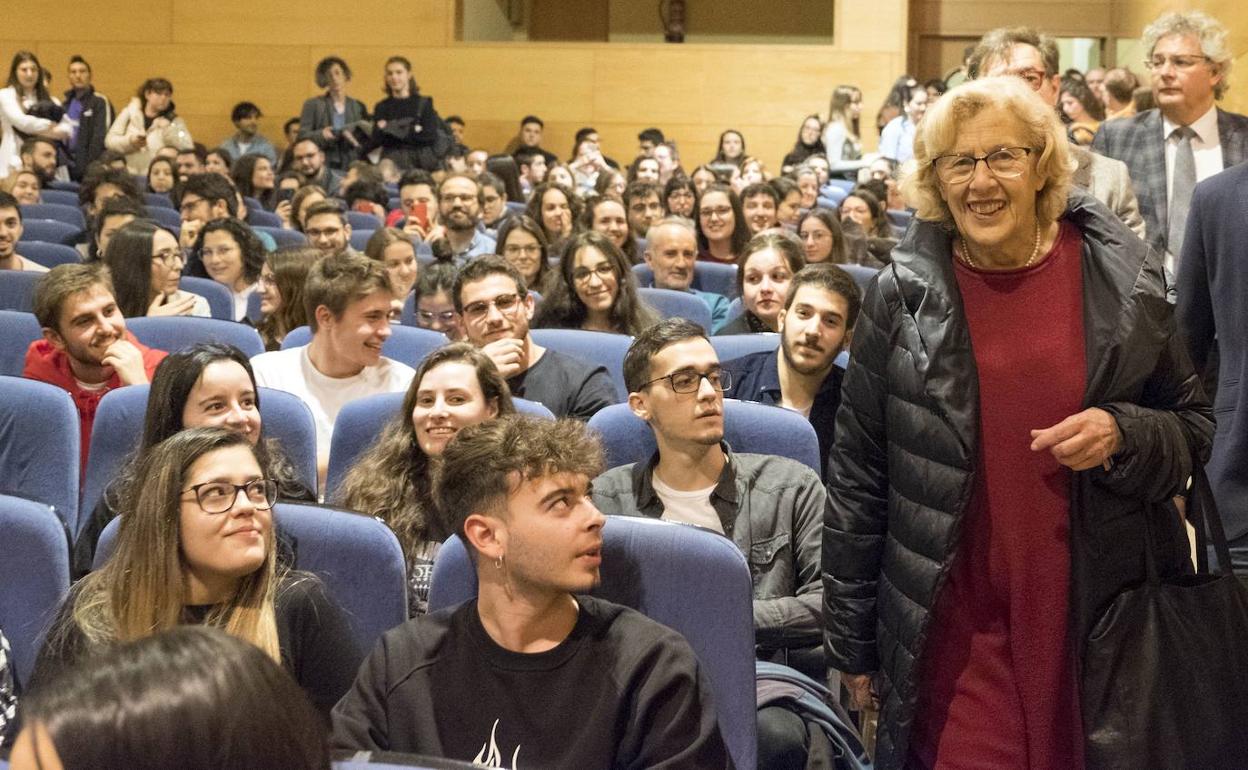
x: 208, y: 385
x: 348, y: 301
x: 10, y: 234
x: 189, y: 698
x: 763, y: 274
x: 146, y: 265
x: 455, y: 386
x: 495, y: 308
x: 596, y: 290
x: 85, y: 349
x: 280, y: 287
x: 771, y: 507
x: 197, y: 547
x: 531, y: 673
x: 229, y: 253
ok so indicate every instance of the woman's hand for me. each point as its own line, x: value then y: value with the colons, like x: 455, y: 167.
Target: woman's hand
x: 859, y: 687
x: 1081, y: 441
x: 283, y: 213
x: 174, y: 304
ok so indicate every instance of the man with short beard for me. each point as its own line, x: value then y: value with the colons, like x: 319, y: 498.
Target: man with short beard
x: 671, y: 253
x: 459, y: 211
x: 39, y: 155
x: 816, y: 324
x: 85, y: 349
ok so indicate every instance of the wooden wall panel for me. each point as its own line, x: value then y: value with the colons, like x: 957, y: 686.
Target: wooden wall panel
x: 265, y: 51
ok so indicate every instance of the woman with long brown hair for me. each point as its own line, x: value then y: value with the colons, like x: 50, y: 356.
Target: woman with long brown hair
x: 192, y: 550
x: 455, y: 386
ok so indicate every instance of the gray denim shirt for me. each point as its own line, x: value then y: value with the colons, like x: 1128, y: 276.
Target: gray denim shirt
x: 772, y: 508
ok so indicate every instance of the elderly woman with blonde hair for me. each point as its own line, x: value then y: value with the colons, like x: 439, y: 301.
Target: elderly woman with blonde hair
x: 1016, y: 411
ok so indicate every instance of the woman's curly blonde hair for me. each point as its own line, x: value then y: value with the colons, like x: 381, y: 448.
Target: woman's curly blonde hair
x: 1041, y: 130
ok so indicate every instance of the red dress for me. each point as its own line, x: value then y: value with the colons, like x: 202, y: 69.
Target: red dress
x: 997, y: 685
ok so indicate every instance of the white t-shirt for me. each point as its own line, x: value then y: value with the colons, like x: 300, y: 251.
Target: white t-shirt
x: 292, y: 371
x: 688, y: 507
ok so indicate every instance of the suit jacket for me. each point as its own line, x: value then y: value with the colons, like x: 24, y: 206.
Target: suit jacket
x: 317, y: 114
x: 1213, y: 300
x: 1109, y: 182
x: 1137, y: 141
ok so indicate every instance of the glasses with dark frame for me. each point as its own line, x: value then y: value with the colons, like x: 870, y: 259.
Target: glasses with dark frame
x: 220, y: 496
x: 1005, y: 163
x: 504, y: 302
x: 690, y: 380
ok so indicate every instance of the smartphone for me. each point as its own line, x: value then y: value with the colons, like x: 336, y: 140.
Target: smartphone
x: 420, y: 210
x: 285, y: 194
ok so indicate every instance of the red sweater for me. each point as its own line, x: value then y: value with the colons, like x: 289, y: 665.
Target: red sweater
x: 47, y: 364
x: 997, y: 674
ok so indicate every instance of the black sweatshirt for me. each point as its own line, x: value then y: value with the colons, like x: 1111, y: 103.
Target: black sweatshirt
x: 622, y: 691
x: 318, y: 649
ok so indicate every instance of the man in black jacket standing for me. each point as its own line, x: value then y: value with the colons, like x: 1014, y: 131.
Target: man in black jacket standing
x: 92, y: 111
x: 531, y: 673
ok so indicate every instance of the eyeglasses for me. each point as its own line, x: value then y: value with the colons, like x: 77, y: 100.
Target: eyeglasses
x: 1005, y: 163
x: 427, y: 317
x: 512, y: 250
x: 189, y: 205
x: 504, y: 302
x: 1033, y: 78
x: 170, y: 257
x: 220, y: 496
x: 1181, y: 63
x: 723, y: 213
x: 603, y: 271
x: 690, y: 380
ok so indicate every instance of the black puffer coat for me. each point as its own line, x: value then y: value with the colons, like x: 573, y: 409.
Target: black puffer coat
x: 902, y: 469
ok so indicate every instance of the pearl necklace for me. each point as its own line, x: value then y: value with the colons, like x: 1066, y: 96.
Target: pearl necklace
x: 965, y: 254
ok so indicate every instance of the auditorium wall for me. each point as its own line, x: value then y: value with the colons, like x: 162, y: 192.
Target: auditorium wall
x: 265, y: 51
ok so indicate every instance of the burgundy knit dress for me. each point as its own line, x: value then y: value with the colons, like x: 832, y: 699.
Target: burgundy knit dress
x: 997, y: 684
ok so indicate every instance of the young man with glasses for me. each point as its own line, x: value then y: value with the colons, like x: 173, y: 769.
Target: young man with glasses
x: 771, y: 507
x: 495, y: 308
x: 85, y: 349
x: 1186, y: 138
x: 1026, y: 53
x: 348, y: 302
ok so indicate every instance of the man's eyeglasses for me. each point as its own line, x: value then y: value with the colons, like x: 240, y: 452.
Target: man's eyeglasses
x: 690, y: 380
x: 188, y: 205
x: 170, y: 257
x: 220, y: 496
x: 1181, y: 63
x: 504, y: 302
x: 603, y: 271
x: 1033, y: 77
x: 1005, y: 163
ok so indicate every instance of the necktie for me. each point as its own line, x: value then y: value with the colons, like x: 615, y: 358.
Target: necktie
x: 1181, y: 191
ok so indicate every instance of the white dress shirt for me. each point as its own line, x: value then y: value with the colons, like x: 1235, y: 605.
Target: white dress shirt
x: 1206, y: 148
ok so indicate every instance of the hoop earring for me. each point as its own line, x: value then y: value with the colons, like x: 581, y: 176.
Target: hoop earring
x: 498, y: 563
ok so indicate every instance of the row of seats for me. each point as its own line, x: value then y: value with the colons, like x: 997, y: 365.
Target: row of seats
x: 691, y: 580
x: 40, y: 443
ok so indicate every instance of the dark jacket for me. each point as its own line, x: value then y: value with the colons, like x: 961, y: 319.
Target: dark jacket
x: 93, y: 125
x: 317, y: 115
x: 910, y: 405
x: 1213, y: 302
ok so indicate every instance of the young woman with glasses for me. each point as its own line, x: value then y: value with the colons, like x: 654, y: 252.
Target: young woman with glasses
x: 596, y: 291
x: 197, y: 546
x: 146, y: 264
x: 522, y: 242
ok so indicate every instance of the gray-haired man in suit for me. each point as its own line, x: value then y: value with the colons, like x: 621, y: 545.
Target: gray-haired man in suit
x: 1186, y: 139
x: 1026, y: 53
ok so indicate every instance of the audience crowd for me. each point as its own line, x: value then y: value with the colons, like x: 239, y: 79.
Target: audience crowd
x: 1005, y: 331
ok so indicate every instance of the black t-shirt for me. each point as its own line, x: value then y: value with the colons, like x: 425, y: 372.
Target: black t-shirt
x: 316, y: 643
x: 621, y: 691
x: 567, y: 386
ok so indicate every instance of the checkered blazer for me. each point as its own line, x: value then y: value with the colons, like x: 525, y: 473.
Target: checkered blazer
x: 1137, y: 141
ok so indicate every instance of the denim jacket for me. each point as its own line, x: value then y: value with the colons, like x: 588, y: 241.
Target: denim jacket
x: 772, y: 508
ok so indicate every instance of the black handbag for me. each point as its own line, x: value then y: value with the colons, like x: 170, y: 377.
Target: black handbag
x: 1165, y: 669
